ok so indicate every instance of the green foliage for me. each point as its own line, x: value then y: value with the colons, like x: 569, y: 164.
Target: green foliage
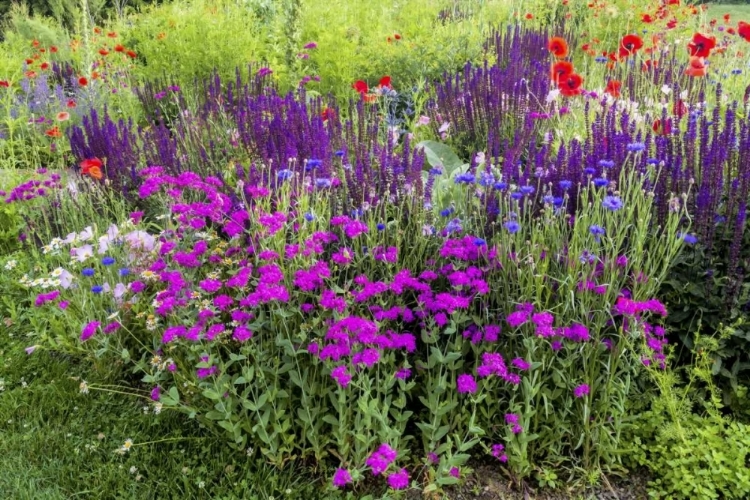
x: 691, y: 448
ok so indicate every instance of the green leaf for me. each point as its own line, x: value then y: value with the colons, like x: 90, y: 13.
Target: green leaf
x: 440, y: 155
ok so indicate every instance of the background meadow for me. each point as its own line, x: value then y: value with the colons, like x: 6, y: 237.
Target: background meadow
x: 453, y: 249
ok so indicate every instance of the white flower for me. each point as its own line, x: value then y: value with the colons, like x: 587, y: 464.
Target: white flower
x: 83, y: 387
x: 10, y: 264
x: 666, y: 89
x: 133, y: 469
x: 552, y: 95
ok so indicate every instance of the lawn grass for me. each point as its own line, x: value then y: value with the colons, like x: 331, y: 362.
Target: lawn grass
x: 56, y: 442
x: 738, y: 11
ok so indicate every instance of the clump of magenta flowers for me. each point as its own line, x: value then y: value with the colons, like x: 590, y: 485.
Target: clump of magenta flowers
x: 379, y: 339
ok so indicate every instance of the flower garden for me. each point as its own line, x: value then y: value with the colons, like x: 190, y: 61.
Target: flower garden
x: 416, y: 249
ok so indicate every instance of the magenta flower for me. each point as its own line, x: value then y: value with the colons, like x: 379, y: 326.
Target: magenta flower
x: 455, y: 472
x: 387, y: 452
x: 466, y: 383
x: 581, y: 391
x: 310, y: 45
x: 399, y: 480
x: 156, y: 393
x: 403, y: 373
x: 89, y: 330
x: 341, y: 478
x: 521, y: 364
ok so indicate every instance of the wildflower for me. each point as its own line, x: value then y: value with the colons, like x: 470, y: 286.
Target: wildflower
x: 613, y: 88
x: 89, y: 330
x: 597, y: 231
x: 613, y: 203
x: 63, y: 116
x: 512, y: 226
x: 83, y: 81
x: 565, y: 185
x: 341, y: 478
x: 581, y: 391
x: 701, y: 45
x: 629, y: 45
x: 53, y: 132
x: 688, y: 238
x: 455, y: 472
x: 127, y: 445
x: 465, y: 178
x: 521, y: 364
x: 310, y: 45
x: 558, y: 47
x: 560, y: 70
x: 570, y: 85
x: 636, y: 147
x: 108, y: 261
x: 83, y: 387
x: 466, y: 383
x: 403, y: 373
x: 399, y: 480
x: 697, y: 67
x: 97, y: 289
x: 92, y: 167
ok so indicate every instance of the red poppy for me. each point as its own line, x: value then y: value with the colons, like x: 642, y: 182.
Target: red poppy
x: 613, y: 88
x: 662, y: 128
x: 361, y: 86
x: 731, y: 31
x: 743, y: 29
x: 571, y: 85
x: 629, y: 45
x: 327, y: 114
x: 53, y: 132
x: 712, y: 22
x: 673, y: 2
x: 529, y: 16
x: 53, y: 49
x: 71, y: 103
x: 30, y: 74
x: 385, y: 82
x: 112, y: 34
x: 119, y: 48
x: 131, y: 54
x: 701, y: 45
x: 29, y: 61
x: 35, y: 43
x: 103, y: 52
x: 83, y: 81
x: 397, y: 36
x: 98, y: 31
x: 4, y: 83
x: 92, y: 167
x: 94, y: 75
x: 558, y: 46
x: 696, y: 67
x: 560, y: 70
x: 42, y: 50
x: 44, y: 66
x: 646, y: 18
x: 726, y: 18
x: 672, y: 24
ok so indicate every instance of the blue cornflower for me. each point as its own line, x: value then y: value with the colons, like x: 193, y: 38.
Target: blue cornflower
x: 479, y: 242
x: 356, y: 213
x: 512, y: 226
x: 526, y: 190
x: 548, y: 199
x: 313, y: 163
x: 557, y: 201
x: 501, y: 186
x: 600, y: 182
x: 453, y: 226
x: 88, y: 272
x: 719, y: 219
x: 597, y: 231
x: 589, y: 170
x: 380, y: 226
x: 565, y: 185
x: 688, y: 238
x: 124, y: 271
x: 108, y: 261
x: 636, y: 147
x: 339, y: 153
x: 97, y: 289
x: 652, y: 161
x: 516, y: 195
x: 737, y: 71
x: 436, y: 171
x: 606, y: 163
x: 612, y: 203
x: 309, y: 217
x: 446, y: 211
x: 284, y: 174
x: 601, y: 59
x: 486, y: 179
x: 323, y: 183
x: 466, y: 178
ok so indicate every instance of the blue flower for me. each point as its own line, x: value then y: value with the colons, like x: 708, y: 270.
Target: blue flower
x: 88, y: 272
x: 557, y: 201
x: 606, y: 163
x: 636, y: 147
x: 323, y: 183
x: 97, y: 289
x: 652, y: 161
x: 466, y: 178
x: 737, y: 71
x: 589, y: 170
x: 312, y: 163
x: 309, y: 217
x: 284, y: 174
x: 527, y: 190
x: 436, y: 171
x: 486, y: 179
x: 108, y: 261
x: 446, y: 211
x: 381, y: 226
x: 548, y: 199
x: 339, y: 153
x: 454, y: 226
x: 612, y: 203
x: 517, y: 195
x: 688, y: 238
x: 597, y: 231
x: 501, y: 186
x: 124, y: 271
x: 600, y: 182
x: 479, y: 242
x: 512, y: 226
x: 565, y: 185
x: 601, y: 59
